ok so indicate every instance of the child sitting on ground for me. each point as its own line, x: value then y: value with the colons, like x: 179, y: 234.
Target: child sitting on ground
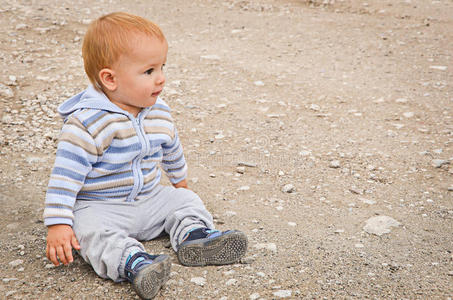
x: 104, y: 193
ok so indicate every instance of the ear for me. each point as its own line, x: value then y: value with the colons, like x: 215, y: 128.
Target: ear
x: 108, y: 79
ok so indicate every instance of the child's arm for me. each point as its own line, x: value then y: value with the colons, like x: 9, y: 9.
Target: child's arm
x: 60, y: 241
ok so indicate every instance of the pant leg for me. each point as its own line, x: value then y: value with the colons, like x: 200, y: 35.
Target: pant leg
x: 175, y: 211
x: 106, y: 231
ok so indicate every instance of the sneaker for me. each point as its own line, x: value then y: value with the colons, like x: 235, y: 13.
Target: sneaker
x: 202, y: 247
x: 147, y: 273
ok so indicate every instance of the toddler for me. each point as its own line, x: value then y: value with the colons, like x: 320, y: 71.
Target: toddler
x: 104, y: 193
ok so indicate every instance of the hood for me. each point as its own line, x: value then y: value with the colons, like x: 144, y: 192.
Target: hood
x: 89, y: 98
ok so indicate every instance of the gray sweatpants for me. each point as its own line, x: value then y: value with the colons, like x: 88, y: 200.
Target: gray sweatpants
x: 109, y: 231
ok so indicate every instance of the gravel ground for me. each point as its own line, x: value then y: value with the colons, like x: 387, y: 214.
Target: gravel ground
x: 302, y: 122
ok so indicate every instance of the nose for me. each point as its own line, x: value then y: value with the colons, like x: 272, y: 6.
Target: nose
x: 160, y: 78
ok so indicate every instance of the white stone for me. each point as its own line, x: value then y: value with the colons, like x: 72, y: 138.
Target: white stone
x: 16, y: 262
x: 283, y: 293
x: 401, y: 100
x: 258, y: 83
x: 315, y: 107
x: 244, y: 188
x: 288, y: 188
x: 367, y: 201
x: 254, y: 296
x: 210, y: 57
x: 268, y: 246
x: 198, y: 280
x: 292, y: 224
x: 440, y: 68
x: 304, y: 153
x: 408, y: 114
x: 334, y: 164
x: 380, y: 225
x: 231, y: 281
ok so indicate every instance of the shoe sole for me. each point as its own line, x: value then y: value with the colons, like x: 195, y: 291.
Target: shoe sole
x: 149, y: 280
x: 225, y: 249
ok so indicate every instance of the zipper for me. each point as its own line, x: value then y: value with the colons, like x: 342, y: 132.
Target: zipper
x: 136, y: 165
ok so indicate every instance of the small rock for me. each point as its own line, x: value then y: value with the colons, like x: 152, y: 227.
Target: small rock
x: 6, y: 91
x: 254, y: 296
x: 210, y: 57
x: 198, y: 280
x: 359, y: 245
x: 438, y: 163
x: 247, y: 260
x: 240, y: 170
x: 49, y: 266
x: 269, y: 246
x: 401, y: 100
x: 283, y: 293
x: 304, y: 153
x: 440, y: 68
x: 335, y: 164
x: 244, y: 188
x: 450, y: 188
x: 258, y: 83
x: 288, y: 188
x: 292, y: 224
x: 367, y: 201
x: 231, y: 281
x: 450, y: 273
x: 408, y: 114
x: 16, y: 262
x: 247, y: 164
x: 380, y: 225
x: 315, y: 107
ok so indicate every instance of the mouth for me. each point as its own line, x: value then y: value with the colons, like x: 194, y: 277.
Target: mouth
x: 155, y: 94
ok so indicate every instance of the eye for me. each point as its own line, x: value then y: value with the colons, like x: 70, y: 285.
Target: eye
x: 149, y: 71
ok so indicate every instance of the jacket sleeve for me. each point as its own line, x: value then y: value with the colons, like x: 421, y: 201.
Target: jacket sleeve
x: 76, y: 152
x: 173, y: 161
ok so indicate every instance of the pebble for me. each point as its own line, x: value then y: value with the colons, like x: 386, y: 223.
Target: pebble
x: 304, y: 153
x: 240, y: 170
x: 247, y: 164
x: 292, y: 224
x: 334, y: 164
x: 440, y: 68
x: 16, y: 262
x: 210, y: 57
x: 244, y: 188
x: 254, y: 296
x: 437, y: 163
x: 6, y: 91
x: 283, y: 293
x: 315, y: 107
x: 247, y: 260
x: 380, y: 225
x: 198, y: 280
x: 288, y: 188
x: 258, y: 83
x: 367, y: 201
x: 401, y: 100
x: 268, y: 246
x: 408, y: 114
x: 450, y: 188
x: 231, y: 281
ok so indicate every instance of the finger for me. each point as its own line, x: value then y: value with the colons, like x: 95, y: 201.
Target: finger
x: 61, y: 255
x: 53, y: 256
x: 75, y: 243
x: 68, y: 252
x: 47, y: 252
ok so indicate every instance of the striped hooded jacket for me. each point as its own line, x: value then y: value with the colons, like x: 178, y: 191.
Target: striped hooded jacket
x: 105, y: 153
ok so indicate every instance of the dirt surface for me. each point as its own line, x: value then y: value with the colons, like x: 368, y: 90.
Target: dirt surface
x: 341, y: 111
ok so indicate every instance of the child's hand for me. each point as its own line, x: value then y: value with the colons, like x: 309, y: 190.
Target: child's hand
x: 60, y: 240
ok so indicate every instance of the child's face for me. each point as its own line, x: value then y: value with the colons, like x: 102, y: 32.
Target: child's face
x: 139, y: 74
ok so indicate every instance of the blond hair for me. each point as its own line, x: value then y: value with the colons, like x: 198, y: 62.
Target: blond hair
x: 110, y: 36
